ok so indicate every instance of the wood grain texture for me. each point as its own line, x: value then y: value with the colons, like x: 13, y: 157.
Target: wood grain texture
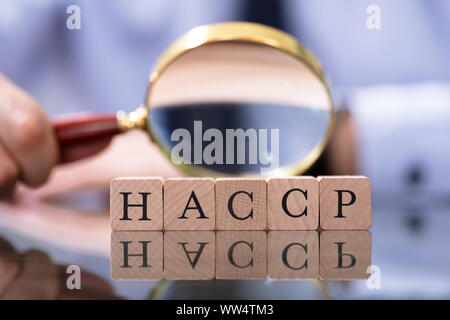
x: 131, y: 189
x: 147, y: 244
x: 189, y: 255
x: 241, y: 255
x: 241, y: 204
x: 354, y: 193
x: 189, y: 204
x: 293, y: 203
x: 345, y: 255
x: 293, y: 255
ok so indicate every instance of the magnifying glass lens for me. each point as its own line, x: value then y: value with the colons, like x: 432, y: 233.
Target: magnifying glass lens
x: 239, y: 108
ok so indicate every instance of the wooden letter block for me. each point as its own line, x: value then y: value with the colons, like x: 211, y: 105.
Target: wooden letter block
x: 136, y: 204
x: 293, y: 255
x: 345, y: 255
x: 241, y: 204
x: 189, y: 255
x: 241, y: 255
x: 189, y: 204
x: 136, y: 255
x: 293, y: 203
x: 345, y: 203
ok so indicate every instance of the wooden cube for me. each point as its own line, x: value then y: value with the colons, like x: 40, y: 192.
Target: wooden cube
x: 293, y: 255
x: 136, y: 255
x: 136, y: 204
x: 241, y: 255
x: 345, y: 255
x: 241, y: 204
x: 189, y: 255
x: 345, y: 203
x: 293, y: 203
x: 189, y: 204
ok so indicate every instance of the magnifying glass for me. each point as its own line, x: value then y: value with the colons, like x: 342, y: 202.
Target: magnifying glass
x: 229, y: 99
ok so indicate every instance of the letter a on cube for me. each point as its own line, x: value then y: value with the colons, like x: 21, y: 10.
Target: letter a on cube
x: 189, y: 204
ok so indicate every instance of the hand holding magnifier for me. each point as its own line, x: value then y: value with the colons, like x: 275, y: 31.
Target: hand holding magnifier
x: 227, y: 99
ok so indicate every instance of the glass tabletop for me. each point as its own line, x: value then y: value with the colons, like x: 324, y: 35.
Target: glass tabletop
x: 45, y: 240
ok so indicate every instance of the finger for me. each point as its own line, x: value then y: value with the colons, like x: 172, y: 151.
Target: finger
x: 37, y: 281
x: 26, y: 134
x: 8, y: 172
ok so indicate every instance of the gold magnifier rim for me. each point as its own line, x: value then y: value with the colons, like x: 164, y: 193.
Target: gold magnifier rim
x: 246, y: 32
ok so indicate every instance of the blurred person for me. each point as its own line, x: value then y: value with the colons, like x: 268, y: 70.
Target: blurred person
x: 104, y: 66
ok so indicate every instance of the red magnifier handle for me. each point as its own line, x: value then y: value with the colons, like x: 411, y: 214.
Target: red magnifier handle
x: 85, y: 135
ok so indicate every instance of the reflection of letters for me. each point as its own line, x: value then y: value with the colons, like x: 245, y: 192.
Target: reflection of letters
x: 345, y: 255
x: 341, y: 255
x: 285, y: 253
x: 137, y: 255
x: 235, y: 255
x: 230, y: 254
x: 126, y: 254
x: 197, y: 253
x: 143, y: 205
